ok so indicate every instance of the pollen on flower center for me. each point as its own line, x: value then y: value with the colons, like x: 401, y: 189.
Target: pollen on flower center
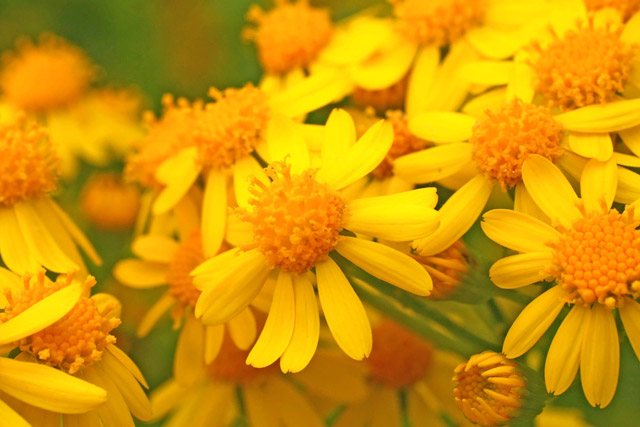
x: 584, y: 67
x: 289, y: 36
x: 49, y: 75
x: 627, y: 8
x: 446, y: 268
x: 597, y: 259
x: 504, y: 139
x: 187, y: 257
x: 28, y: 163
x: 398, y: 358
x: 488, y: 388
x: 73, y: 342
x: 439, y: 22
x: 231, y: 127
x: 296, y: 219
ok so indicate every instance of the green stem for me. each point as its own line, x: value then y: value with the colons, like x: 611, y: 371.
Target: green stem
x: 495, y: 310
x: 515, y: 296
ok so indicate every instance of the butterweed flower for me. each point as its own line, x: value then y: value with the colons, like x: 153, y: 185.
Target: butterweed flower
x: 109, y: 203
x: 80, y: 344
x: 592, y: 254
x: 296, y: 218
x: 34, y: 230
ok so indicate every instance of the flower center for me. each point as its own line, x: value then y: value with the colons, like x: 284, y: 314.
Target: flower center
x: 439, y: 21
x: 627, y: 8
x: 230, y: 128
x: 505, y: 138
x: 488, y: 388
x: 391, y: 98
x: 446, y: 268
x: 289, y: 36
x: 73, y: 342
x: 28, y: 162
x: 404, y: 142
x: 50, y: 75
x: 398, y: 358
x: 598, y: 258
x: 187, y: 257
x: 109, y: 203
x: 584, y: 67
x: 296, y: 219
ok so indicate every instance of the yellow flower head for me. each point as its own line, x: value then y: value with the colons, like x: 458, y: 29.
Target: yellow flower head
x: 289, y: 36
x: 626, y: 8
x: 109, y: 203
x: 446, y: 268
x: 439, y: 22
x: 187, y: 256
x: 28, y: 163
x: 49, y: 75
x: 489, y: 388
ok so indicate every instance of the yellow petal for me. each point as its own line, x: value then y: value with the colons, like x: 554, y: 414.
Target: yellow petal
x: 41, y: 314
x: 387, y: 264
x: 628, y: 190
x: 356, y: 40
x: 285, y: 141
x: 167, y: 396
x: 397, y: 217
x: 592, y: 145
x: 13, y: 248
x: 214, y: 265
x: 340, y: 134
x: 550, y: 190
x: 487, y: 73
x: 631, y: 31
x: 434, y: 163
x: 442, y: 127
x: 359, y: 159
x: 140, y: 274
x: 213, y: 337
x: 567, y: 14
x: 129, y: 387
x: 127, y: 363
x: 563, y: 358
x: 151, y: 317
x: 600, y: 356
x: 243, y: 170
x: 214, y: 212
x: 387, y: 67
x: 490, y: 100
x: 343, y: 311
x: 292, y: 404
x: 518, y: 231
x: 306, y: 328
x: 48, y: 388
x: 491, y: 42
x: 457, y: 215
x: 533, y: 321
x: 598, y: 184
x: 154, y: 248
x: 609, y: 117
x: 115, y: 411
x: 187, y: 362
x: 278, y: 328
x: 629, y: 160
x: 521, y: 79
x: 76, y: 234
x: 10, y: 418
x: 187, y: 214
x: 420, y: 79
x: 178, y: 173
x: 630, y: 315
x: 521, y: 270
x: 243, y: 329
x: 239, y: 233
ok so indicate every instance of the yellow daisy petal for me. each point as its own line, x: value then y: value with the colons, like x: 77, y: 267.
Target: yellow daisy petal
x: 213, y: 337
x: 285, y: 141
x: 434, y: 163
x: 340, y: 134
x: 487, y: 73
x: 239, y: 233
x: 140, y: 274
x: 420, y: 80
x: 442, y: 127
x: 166, y: 397
x: 631, y: 138
x: 76, y: 234
x: 490, y: 100
x: 628, y: 190
x: 631, y: 31
x: 214, y: 212
x: 521, y: 270
x: 629, y: 160
x: 343, y: 311
x: 214, y: 266
x: 600, y: 356
x: 598, y: 183
x: 10, y: 417
x: 518, y: 231
x: 127, y: 363
x: 243, y: 329
x: 154, y: 248
x: 592, y: 145
x: 129, y: 387
x: 457, y: 215
x: 387, y: 264
x: 533, y: 321
x: 306, y: 329
x: 550, y: 190
x: 563, y: 358
x: 13, y: 248
x: 178, y: 173
x: 243, y: 170
x: 630, y: 315
x: 609, y: 117
x: 114, y: 411
x: 385, y: 68
x: 567, y: 14
x: 357, y: 40
x: 520, y: 83
x: 187, y: 361
x: 491, y: 42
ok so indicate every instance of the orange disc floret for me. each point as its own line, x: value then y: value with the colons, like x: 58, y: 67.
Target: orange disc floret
x: 232, y: 127
x: 488, y: 388
x: 296, y: 219
x: 439, y: 22
x: 28, y: 163
x: 49, y: 75
x: 391, y: 98
x: 627, y: 8
x: 109, y: 203
x: 597, y: 259
x: 399, y: 358
x: 404, y: 142
x: 446, y: 268
x: 77, y: 339
x: 505, y: 138
x: 290, y: 35
x: 187, y: 256
x: 584, y: 67
x: 166, y: 136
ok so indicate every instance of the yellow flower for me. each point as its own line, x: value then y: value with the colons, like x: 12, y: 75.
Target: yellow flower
x: 35, y: 231
x: 295, y: 218
x: 108, y: 203
x: 38, y: 385
x: 592, y: 254
x: 80, y: 344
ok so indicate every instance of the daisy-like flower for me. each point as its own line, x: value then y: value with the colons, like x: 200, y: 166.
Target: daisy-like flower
x: 38, y: 385
x: 79, y: 344
x: 296, y: 218
x: 109, y: 203
x: 591, y: 252
x: 34, y: 230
